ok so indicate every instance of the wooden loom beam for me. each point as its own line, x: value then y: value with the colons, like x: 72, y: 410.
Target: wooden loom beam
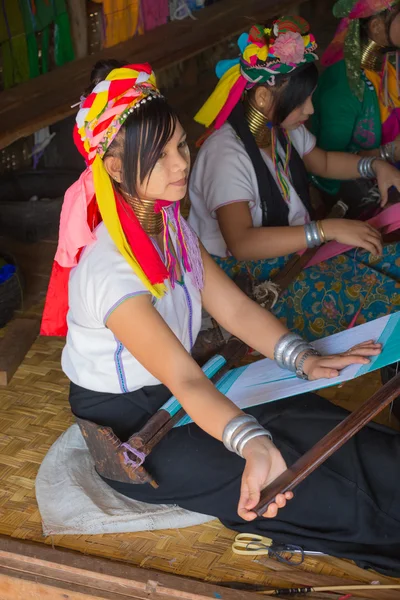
x: 31, y: 570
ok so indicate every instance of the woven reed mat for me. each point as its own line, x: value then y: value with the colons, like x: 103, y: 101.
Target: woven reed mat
x: 34, y: 411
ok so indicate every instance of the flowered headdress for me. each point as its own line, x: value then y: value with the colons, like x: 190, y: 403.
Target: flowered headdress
x: 93, y: 198
x: 265, y: 55
x: 347, y: 41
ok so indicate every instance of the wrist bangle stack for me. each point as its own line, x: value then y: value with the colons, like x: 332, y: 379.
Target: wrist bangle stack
x: 387, y: 152
x: 240, y: 430
x: 365, y: 167
x: 288, y: 350
x: 313, y: 235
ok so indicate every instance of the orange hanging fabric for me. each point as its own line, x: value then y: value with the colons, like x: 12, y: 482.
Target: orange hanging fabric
x: 122, y: 20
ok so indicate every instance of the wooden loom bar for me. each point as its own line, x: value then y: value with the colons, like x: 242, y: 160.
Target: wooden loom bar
x: 31, y: 570
x: 159, y: 425
x: 123, y: 462
x: 329, y: 444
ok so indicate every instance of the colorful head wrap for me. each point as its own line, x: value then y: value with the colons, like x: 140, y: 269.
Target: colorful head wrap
x: 93, y: 199
x: 265, y: 54
x: 347, y: 41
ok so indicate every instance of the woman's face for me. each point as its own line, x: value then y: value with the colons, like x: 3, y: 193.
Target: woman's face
x: 395, y: 31
x: 264, y: 102
x: 299, y: 116
x: 168, y: 180
x: 377, y: 31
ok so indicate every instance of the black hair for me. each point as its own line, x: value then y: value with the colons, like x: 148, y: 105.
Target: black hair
x: 143, y: 136
x: 291, y: 91
x: 388, y: 15
x: 100, y: 71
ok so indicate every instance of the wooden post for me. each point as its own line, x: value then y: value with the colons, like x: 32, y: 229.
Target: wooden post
x: 77, y: 12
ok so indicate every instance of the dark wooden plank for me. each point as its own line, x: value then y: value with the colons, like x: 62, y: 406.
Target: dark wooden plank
x: 18, y: 338
x: 48, y: 98
x: 95, y: 577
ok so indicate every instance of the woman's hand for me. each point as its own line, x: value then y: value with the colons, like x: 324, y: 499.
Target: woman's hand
x: 264, y: 463
x: 353, y: 233
x: 328, y: 367
x: 387, y: 176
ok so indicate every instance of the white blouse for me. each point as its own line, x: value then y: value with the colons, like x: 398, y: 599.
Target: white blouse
x: 223, y: 173
x: 93, y: 357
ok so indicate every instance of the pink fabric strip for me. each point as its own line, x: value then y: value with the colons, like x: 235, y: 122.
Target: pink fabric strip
x: 386, y: 222
x: 74, y: 231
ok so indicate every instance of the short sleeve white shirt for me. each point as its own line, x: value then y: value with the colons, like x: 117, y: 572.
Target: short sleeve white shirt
x: 223, y: 174
x: 93, y: 357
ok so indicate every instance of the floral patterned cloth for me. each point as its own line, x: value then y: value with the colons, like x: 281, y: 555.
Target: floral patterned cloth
x: 325, y: 298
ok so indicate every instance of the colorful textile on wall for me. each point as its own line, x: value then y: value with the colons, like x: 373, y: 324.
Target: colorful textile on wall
x: 13, y: 44
x: 265, y: 54
x: 34, y: 36
x: 48, y: 34
x: 154, y: 13
x: 347, y: 41
x: 121, y: 20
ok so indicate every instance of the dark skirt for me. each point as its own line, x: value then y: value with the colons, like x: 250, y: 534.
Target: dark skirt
x: 349, y: 507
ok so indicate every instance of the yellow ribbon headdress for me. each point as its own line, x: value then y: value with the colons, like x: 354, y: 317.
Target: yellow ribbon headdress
x: 100, y: 118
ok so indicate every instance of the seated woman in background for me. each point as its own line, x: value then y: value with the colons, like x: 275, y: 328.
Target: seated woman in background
x: 135, y: 294
x: 249, y: 193
x: 357, y: 101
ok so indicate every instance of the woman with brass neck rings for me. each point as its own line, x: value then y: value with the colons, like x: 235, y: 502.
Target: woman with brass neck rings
x: 357, y: 101
x: 249, y: 188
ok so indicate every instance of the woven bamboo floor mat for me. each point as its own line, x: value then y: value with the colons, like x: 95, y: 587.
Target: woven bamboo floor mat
x: 34, y: 411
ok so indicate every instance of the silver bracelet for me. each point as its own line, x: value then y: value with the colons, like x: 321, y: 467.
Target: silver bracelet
x: 308, y: 234
x: 313, y: 238
x: 241, y: 430
x: 365, y: 167
x: 234, y: 425
x: 289, y: 350
x: 292, y: 359
x: 241, y: 433
x: 250, y: 436
x: 315, y: 233
x: 245, y: 435
x: 387, y: 152
x: 299, y: 370
x: 282, y: 344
